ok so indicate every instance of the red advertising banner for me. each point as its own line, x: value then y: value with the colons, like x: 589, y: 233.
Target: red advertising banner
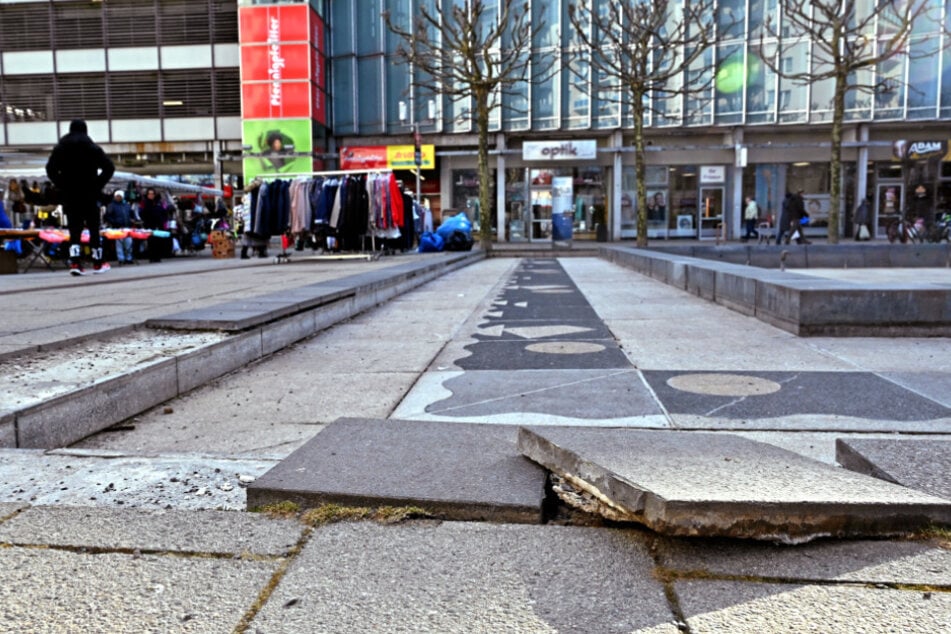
x: 274, y: 23
x: 275, y: 62
x: 317, y: 31
x: 276, y: 100
x: 318, y: 106
x: 365, y: 157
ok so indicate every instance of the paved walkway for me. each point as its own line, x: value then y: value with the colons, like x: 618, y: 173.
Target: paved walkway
x: 140, y: 528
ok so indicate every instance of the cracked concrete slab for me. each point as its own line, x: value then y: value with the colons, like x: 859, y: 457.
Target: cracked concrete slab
x: 690, y: 483
x: 461, y: 472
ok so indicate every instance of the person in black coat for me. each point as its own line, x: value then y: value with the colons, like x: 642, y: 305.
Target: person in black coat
x: 80, y: 169
x: 155, y: 216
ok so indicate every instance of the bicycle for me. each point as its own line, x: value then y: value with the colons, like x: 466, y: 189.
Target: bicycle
x: 905, y: 231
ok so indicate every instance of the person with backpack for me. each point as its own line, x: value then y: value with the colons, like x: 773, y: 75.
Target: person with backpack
x: 750, y: 217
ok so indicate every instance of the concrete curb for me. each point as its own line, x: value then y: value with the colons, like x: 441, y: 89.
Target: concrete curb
x: 267, y: 328
x: 800, y: 304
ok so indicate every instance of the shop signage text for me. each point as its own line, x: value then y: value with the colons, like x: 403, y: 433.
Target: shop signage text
x: 387, y: 157
x: 712, y: 174
x: 559, y: 150
x: 919, y: 150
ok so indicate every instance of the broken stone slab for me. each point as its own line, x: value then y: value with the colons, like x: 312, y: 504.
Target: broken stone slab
x: 457, y: 471
x: 702, y: 484
x: 923, y: 464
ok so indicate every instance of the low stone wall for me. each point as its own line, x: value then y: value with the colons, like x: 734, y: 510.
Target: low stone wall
x: 804, y: 305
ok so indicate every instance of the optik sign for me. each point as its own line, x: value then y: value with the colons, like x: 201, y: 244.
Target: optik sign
x: 560, y: 150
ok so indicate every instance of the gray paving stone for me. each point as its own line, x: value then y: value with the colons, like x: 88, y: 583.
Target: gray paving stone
x: 919, y: 463
x: 584, y: 394
x: 462, y: 577
x: 64, y: 420
x: 8, y: 431
x: 750, y: 608
x: 861, y: 561
x: 455, y: 471
x: 7, y: 509
x: 218, y: 532
x: 209, y: 362
x: 688, y: 483
x: 53, y: 591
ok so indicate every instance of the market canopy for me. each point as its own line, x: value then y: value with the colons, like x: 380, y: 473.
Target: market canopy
x: 119, y: 180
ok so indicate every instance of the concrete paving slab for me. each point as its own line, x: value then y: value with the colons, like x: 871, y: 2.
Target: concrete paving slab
x: 818, y: 445
x: 544, y: 355
x: 87, y: 478
x: 687, y: 483
x: 579, y: 394
x: 923, y: 464
x: 208, y: 532
x: 7, y: 510
x: 8, y: 430
x: 751, y: 395
x: 904, y: 356
x: 461, y: 577
x: 66, y: 419
x: 53, y: 591
x: 682, y: 343
x: 935, y: 386
x: 554, y: 400
x: 862, y: 561
x: 748, y: 607
x: 462, y: 472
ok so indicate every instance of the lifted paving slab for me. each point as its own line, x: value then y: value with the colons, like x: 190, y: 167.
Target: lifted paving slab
x: 690, y: 484
x: 453, y: 471
x: 922, y: 464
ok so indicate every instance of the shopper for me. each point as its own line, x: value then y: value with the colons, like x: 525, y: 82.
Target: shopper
x: 750, y: 216
x: 155, y: 217
x: 119, y: 216
x: 80, y: 169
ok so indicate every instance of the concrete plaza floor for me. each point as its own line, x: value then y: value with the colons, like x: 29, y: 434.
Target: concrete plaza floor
x: 142, y: 528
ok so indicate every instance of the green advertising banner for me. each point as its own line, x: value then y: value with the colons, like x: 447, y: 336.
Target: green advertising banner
x: 277, y: 145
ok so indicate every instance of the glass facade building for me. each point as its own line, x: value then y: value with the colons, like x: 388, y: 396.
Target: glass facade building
x: 162, y: 77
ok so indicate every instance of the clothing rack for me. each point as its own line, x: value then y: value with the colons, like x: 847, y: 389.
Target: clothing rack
x: 325, y: 173
x: 293, y: 175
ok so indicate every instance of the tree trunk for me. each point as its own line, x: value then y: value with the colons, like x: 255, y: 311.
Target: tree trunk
x: 485, y: 176
x: 639, y: 170
x: 835, y: 162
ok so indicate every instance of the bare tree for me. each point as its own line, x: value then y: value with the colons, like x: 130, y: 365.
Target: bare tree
x: 647, y: 54
x: 475, y: 52
x: 853, y: 42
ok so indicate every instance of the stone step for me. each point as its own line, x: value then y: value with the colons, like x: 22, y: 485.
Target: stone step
x: 456, y: 471
x: 703, y: 484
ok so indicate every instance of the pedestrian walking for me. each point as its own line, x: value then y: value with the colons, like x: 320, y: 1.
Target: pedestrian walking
x: 862, y: 231
x: 155, y: 217
x: 797, y: 211
x: 751, y: 216
x: 80, y: 169
x: 782, y: 227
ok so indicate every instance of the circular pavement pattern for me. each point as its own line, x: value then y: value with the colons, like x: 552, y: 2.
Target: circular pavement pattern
x: 723, y: 384
x: 565, y: 347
